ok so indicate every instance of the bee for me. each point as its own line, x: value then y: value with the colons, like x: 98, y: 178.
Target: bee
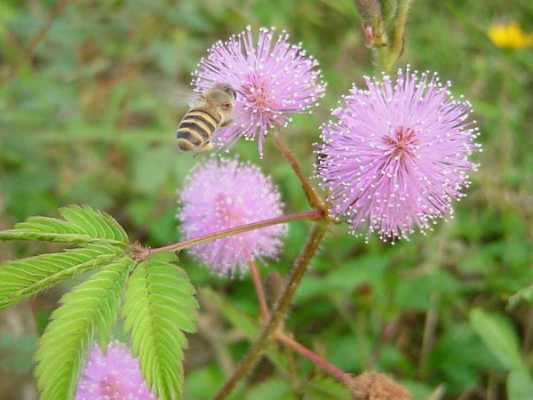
x: 212, y: 110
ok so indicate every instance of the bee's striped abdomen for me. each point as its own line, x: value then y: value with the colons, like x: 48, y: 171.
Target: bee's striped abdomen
x: 196, y: 129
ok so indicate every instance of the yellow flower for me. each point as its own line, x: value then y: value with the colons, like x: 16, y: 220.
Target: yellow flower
x: 510, y: 36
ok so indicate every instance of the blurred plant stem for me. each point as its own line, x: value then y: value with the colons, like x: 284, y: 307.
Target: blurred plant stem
x: 383, y: 27
x: 395, y: 48
x: 319, y: 361
x: 280, y: 309
x: 208, y: 327
x: 264, y: 312
x: 287, y: 340
x: 29, y: 49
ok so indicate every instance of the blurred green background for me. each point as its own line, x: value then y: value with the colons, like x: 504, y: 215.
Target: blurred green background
x: 90, y: 95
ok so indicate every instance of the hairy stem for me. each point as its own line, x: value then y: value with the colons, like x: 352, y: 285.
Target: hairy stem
x: 260, y: 292
x: 319, y: 361
x: 279, y: 312
x: 313, y: 197
x: 312, y: 215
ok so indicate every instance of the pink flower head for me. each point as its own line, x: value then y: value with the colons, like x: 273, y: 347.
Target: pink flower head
x: 273, y: 79
x: 112, y: 376
x: 397, y: 154
x: 221, y: 195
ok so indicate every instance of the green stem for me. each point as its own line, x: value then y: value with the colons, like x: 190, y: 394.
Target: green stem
x: 279, y: 312
x: 398, y: 37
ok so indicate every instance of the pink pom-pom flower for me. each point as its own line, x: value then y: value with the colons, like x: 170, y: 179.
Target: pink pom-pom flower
x: 112, y: 376
x: 396, y: 156
x: 273, y: 79
x: 224, y: 194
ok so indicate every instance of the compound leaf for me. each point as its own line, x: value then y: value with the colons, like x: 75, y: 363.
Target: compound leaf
x: 80, y: 224
x: 159, y: 308
x: 26, y: 277
x: 87, y: 311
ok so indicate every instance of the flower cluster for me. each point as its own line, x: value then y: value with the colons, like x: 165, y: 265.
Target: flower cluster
x: 394, y: 158
x: 273, y: 80
x: 114, y: 375
x: 224, y: 194
x: 396, y: 155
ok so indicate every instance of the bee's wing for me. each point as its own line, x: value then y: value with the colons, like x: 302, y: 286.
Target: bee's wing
x: 192, y: 99
x: 186, y: 98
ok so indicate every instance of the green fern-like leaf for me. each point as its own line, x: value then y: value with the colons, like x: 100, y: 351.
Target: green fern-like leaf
x: 88, y: 310
x: 24, y: 278
x: 159, y: 307
x: 80, y: 224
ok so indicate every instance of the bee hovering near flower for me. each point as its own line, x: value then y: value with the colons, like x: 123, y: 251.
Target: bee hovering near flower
x: 274, y: 78
x: 213, y: 109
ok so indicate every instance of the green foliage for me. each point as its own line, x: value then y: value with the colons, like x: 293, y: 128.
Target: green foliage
x: 243, y: 323
x: 519, y: 385
x: 201, y: 383
x: 87, y: 312
x: 272, y: 389
x: 16, y: 353
x: 523, y: 295
x: 79, y: 225
x: 458, y: 355
x: 159, y: 308
x: 322, y: 388
x: 502, y: 340
x: 90, y: 117
x: 499, y: 337
x: 389, y: 9
x: 24, y: 278
x: 102, y: 236
x: 159, y: 305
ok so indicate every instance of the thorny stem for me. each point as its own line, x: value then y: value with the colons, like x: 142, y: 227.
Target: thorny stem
x: 260, y: 292
x: 313, y: 197
x: 312, y: 215
x: 280, y: 310
x: 319, y: 361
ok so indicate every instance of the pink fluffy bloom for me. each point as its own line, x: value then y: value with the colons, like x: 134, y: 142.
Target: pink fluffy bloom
x: 273, y: 80
x: 397, y: 154
x: 112, y: 376
x: 221, y: 195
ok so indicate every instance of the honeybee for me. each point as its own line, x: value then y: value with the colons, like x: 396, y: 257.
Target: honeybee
x: 210, y: 111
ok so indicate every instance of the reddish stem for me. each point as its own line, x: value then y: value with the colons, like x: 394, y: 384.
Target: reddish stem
x: 287, y: 340
x: 279, y: 312
x: 313, y: 215
x: 260, y: 292
x: 319, y: 361
x: 313, y: 197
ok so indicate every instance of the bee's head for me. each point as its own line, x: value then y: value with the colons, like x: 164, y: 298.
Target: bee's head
x: 221, y: 96
x: 226, y: 89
